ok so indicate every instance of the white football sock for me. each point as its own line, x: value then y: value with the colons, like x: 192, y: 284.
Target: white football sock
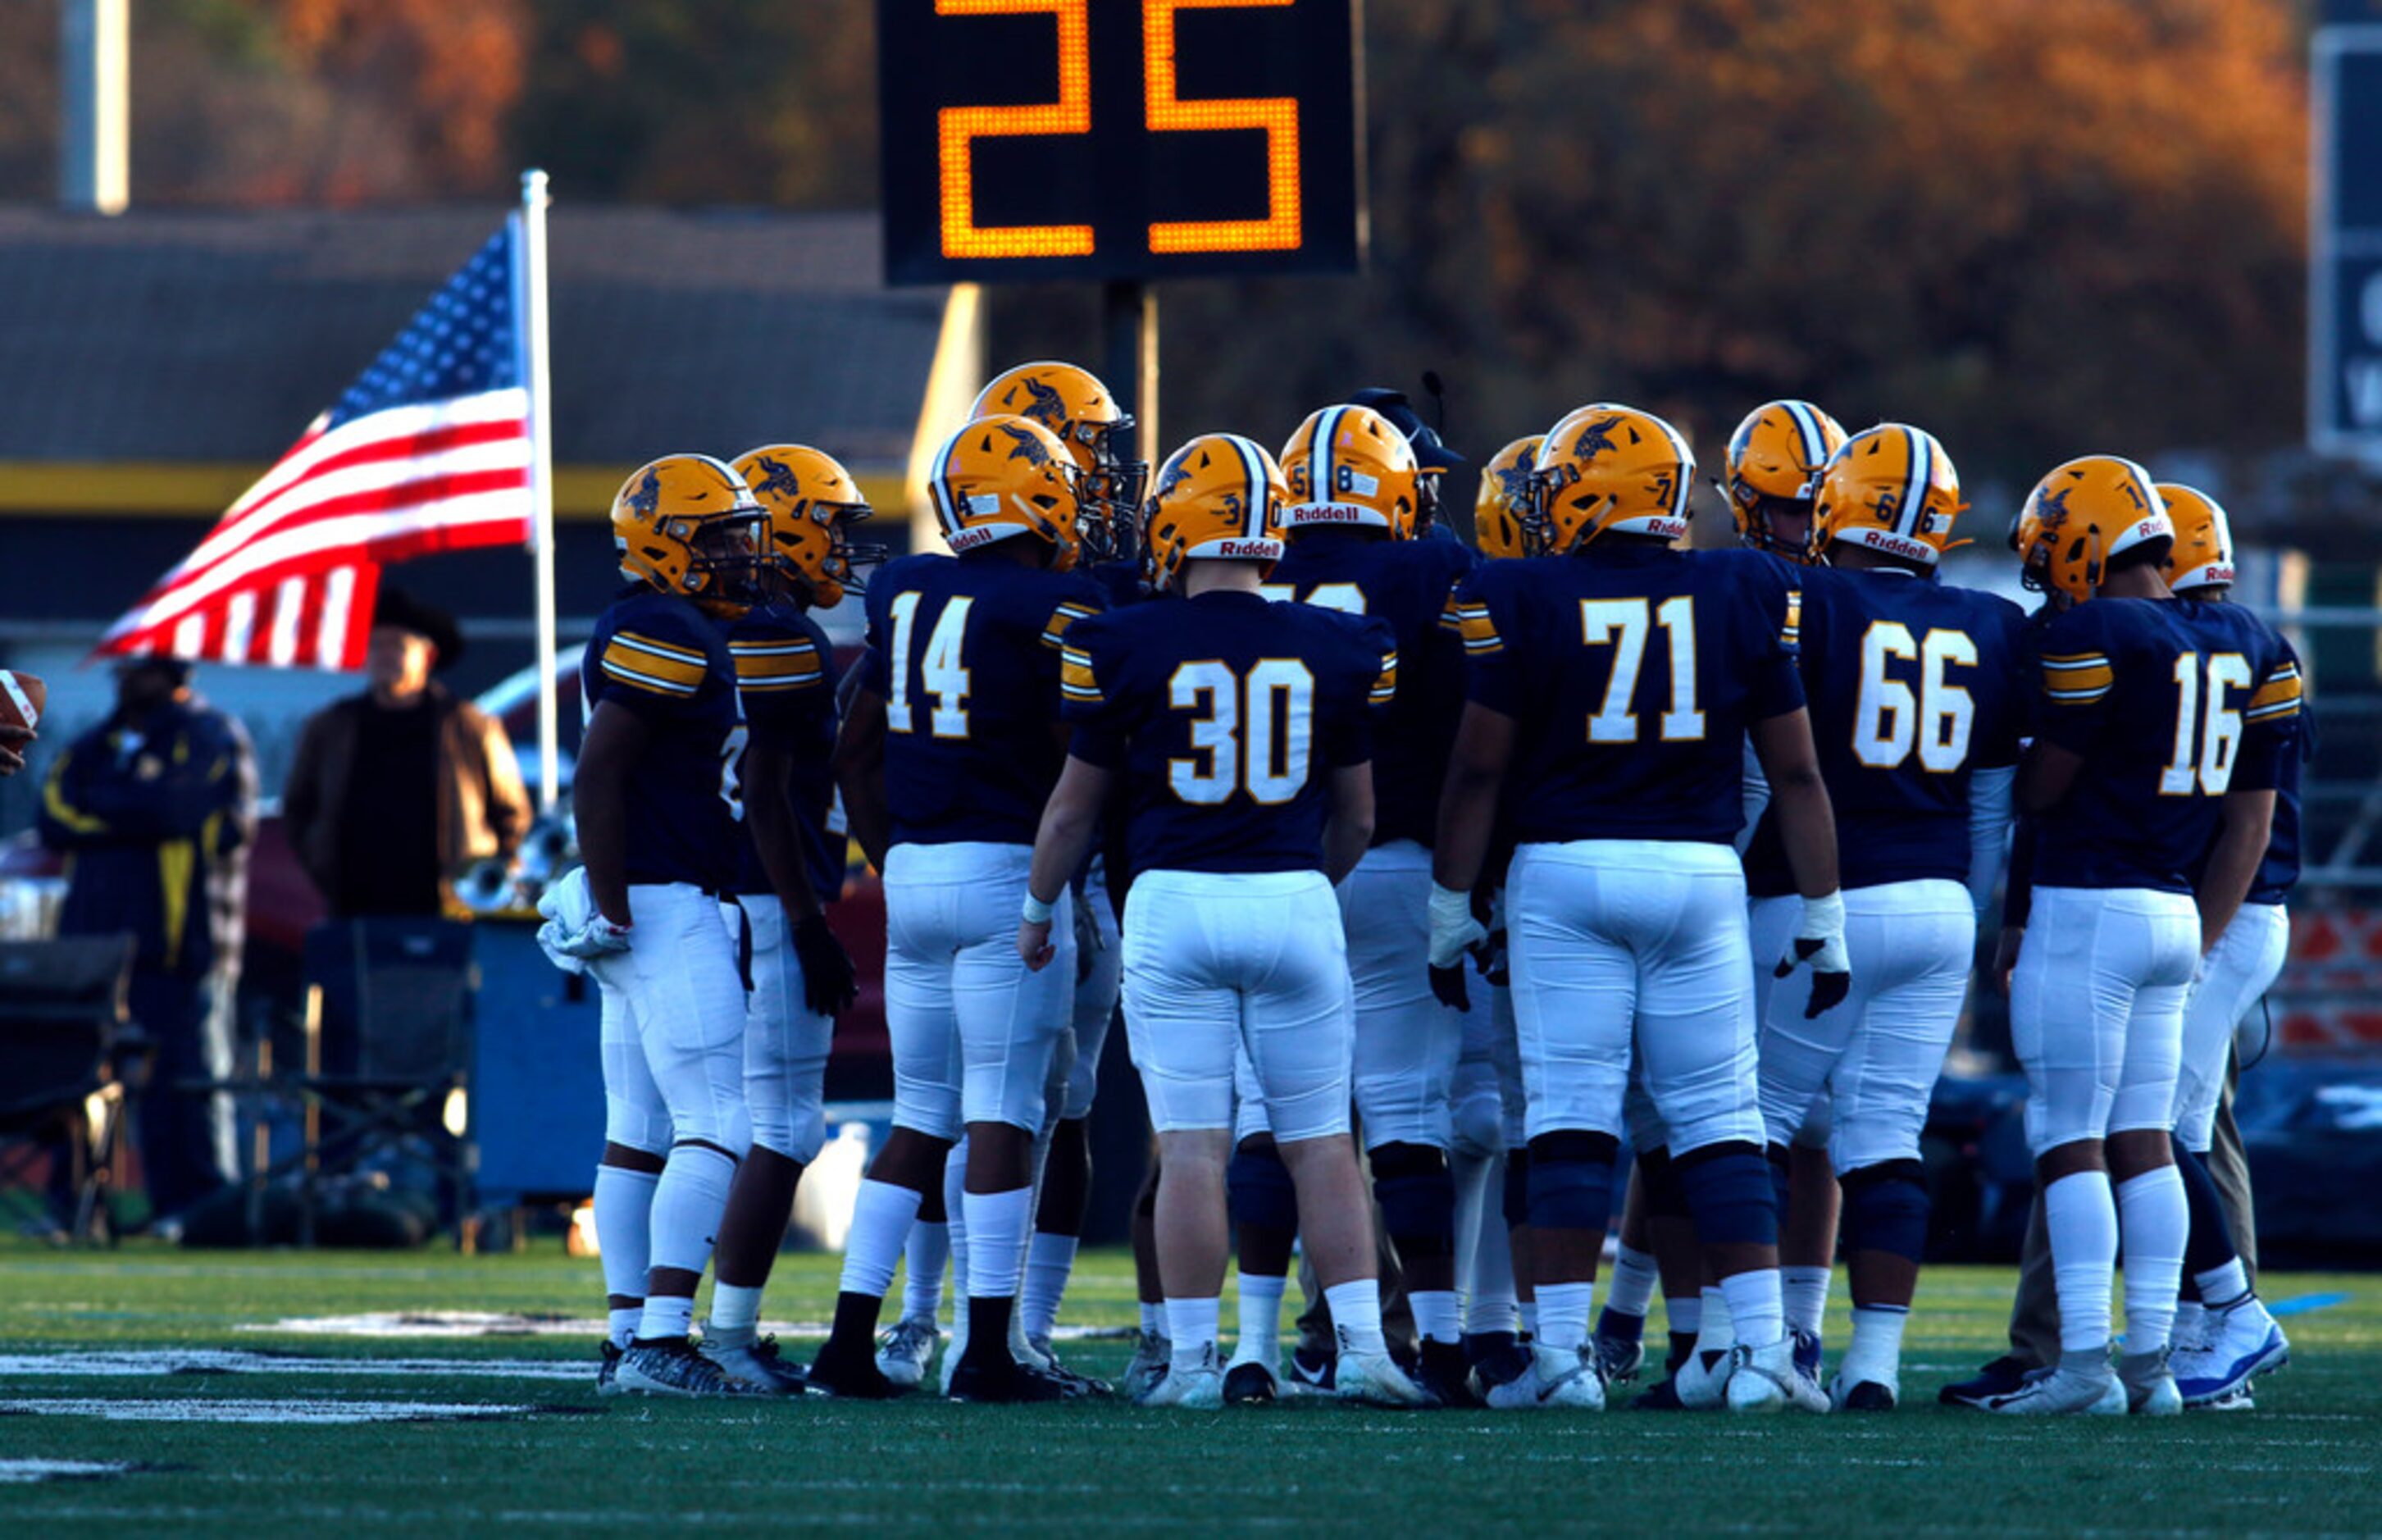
x: 2081, y: 1216
x: 1685, y: 1315
x: 1049, y: 1261
x: 923, y: 1257
x: 1714, y: 1331
x: 2154, y: 1218
x: 1261, y: 1318
x: 1153, y: 1319
x: 1564, y: 1310
x: 624, y: 1233
x: 1191, y: 1326
x: 1634, y: 1277
x: 880, y: 1223
x: 622, y: 1325
x: 1876, y: 1350
x: 1756, y: 1313
x: 665, y: 1315
x: 996, y: 1224
x: 1529, y: 1310
x: 1356, y: 1315
x: 1489, y: 1296
x: 955, y: 1229
x: 2191, y: 1319
x: 735, y: 1316
x: 687, y: 1201
x: 2220, y: 1286
x: 1438, y: 1314
x: 1805, y: 1290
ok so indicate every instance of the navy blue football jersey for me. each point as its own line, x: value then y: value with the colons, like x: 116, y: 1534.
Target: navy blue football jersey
x: 2167, y: 701
x: 1405, y: 583
x: 1632, y: 673
x: 2280, y: 873
x: 965, y: 656
x: 1225, y: 715
x: 786, y: 681
x: 1913, y: 684
x: 658, y: 655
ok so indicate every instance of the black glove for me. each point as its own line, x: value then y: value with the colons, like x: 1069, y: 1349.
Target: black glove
x: 828, y: 982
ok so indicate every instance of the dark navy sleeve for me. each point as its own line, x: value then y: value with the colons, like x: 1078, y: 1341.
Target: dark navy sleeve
x: 1091, y: 682
x: 1483, y: 610
x: 1368, y: 681
x: 1774, y: 680
x: 2077, y: 667
x: 782, y: 680
x: 2004, y: 708
x: 2270, y: 723
x: 875, y: 672
x: 655, y: 661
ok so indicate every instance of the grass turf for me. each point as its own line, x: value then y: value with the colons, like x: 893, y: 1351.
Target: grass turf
x: 2309, y: 1462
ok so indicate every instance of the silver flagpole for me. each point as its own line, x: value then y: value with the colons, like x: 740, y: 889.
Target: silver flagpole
x: 534, y: 199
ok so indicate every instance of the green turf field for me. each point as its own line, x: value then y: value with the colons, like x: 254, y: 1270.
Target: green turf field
x: 80, y: 1334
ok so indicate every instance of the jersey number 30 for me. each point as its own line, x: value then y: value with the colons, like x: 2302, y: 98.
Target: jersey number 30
x: 1251, y: 733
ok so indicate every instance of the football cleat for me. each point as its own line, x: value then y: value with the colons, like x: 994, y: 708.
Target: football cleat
x: 905, y: 1352
x: 1769, y: 1379
x: 1195, y: 1387
x: 2238, y: 1400
x: 1505, y: 1379
x: 1661, y: 1395
x: 1863, y: 1395
x: 853, y: 1378
x: 997, y: 1379
x: 1150, y: 1356
x: 1375, y: 1379
x: 1445, y: 1375
x: 1251, y: 1381
x: 2150, y: 1386
x: 1619, y: 1357
x: 1701, y: 1383
x: 670, y: 1366
x: 607, y: 1369
x: 2239, y: 1344
x: 1311, y: 1370
x: 1039, y: 1356
x: 2000, y: 1377
x: 757, y: 1365
x: 1808, y: 1354
x: 2062, y: 1392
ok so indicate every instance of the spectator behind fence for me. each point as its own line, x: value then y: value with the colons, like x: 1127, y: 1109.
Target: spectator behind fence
x: 153, y: 810
x: 396, y: 793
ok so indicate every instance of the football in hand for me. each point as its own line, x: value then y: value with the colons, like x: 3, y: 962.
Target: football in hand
x: 22, y: 696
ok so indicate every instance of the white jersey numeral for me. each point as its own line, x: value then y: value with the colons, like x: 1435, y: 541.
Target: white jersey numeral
x: 941, y: 671
x: 1890, y: 719
x: 2203, y: 758
x: 1621, y: 624
x: 1254, y: 733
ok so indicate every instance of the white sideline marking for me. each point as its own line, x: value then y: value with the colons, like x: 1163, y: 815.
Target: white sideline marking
x: 133, y: 1364
x: 274, y: 1411
x: 22, y: 1471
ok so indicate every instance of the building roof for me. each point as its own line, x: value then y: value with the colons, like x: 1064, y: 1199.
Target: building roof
x: 214, y: 337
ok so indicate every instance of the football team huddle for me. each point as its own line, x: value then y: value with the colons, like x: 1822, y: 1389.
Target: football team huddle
x: 1428, y: 875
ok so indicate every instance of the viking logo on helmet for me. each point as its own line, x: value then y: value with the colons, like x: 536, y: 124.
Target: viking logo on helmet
x: 648, y: 495
x: 1048, y: 407
x: 1596, y: 439
x: 1177, y: 472
x: 1027, y: 448
x: 2052, y: 510
x: 778, y: 477
x: 1516, y: 481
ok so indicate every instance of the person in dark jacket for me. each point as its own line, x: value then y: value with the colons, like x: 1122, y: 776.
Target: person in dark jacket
x: 155, y: 809
x: 396, y: 793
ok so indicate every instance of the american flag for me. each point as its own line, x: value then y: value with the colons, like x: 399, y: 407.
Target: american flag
x: 429, y: 452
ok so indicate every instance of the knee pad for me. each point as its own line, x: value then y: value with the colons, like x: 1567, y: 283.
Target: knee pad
x: 1480, y: 1124
x: 1571, y: 1180
x: 1260, y: 1186
x: 1516, y: 1200
x: 1665, y: 1198
x: 1729, y: 1195
x: 1885, y: 1209
x: 1418, y: 1197
x: 635, y: 1125
x: 797, y: 1133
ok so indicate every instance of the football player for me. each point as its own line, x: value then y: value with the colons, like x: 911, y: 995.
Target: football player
x: 1086, y: 416
x: 657, y: 798
x: 1239, y: 732
x: 788, y: 869
x: 2224, y: 1336
x: 1771, y: 482
x: 1611, y: 694
x: 949, y: 751
x: 1917, y: 708
x: 2132, y: 780
x: 1349, y: 526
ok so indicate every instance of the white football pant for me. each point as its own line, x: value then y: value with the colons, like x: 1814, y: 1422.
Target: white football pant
x: 1487, y: 1103
x: 2096, y: 1010
x: 786, y: 1043
x: 1608, y: 933
x: 673, y: 1026
x: 1407, y: 1043
x: 973, y: 1028
x: 1879, y: 1053
x: 1096, y: 1000
x: 2241, y: 967
x: 1216, y: 961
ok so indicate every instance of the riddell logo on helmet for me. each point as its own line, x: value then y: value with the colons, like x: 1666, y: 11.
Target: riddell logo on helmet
x: 1262, y: 550
x: 981, y: 535
x: 1328, y: 514
x: 1891, y: 544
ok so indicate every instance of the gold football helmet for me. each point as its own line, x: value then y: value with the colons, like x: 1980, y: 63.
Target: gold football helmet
x: 1083, y: 414
x: 688, y: 525
x: 1349, y: 467
x: 1500, y: 511
x: 1218, y: 496
x: 2082, y: 517
x: 811, y: 501
x: 1892, y: 489
x: 1775, y: 459
x: 1608, y: 469
x: 1007, y: 478
x: 2202, y: 557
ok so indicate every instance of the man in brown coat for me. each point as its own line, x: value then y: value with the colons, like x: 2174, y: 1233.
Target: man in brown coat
x: 396, y: 793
